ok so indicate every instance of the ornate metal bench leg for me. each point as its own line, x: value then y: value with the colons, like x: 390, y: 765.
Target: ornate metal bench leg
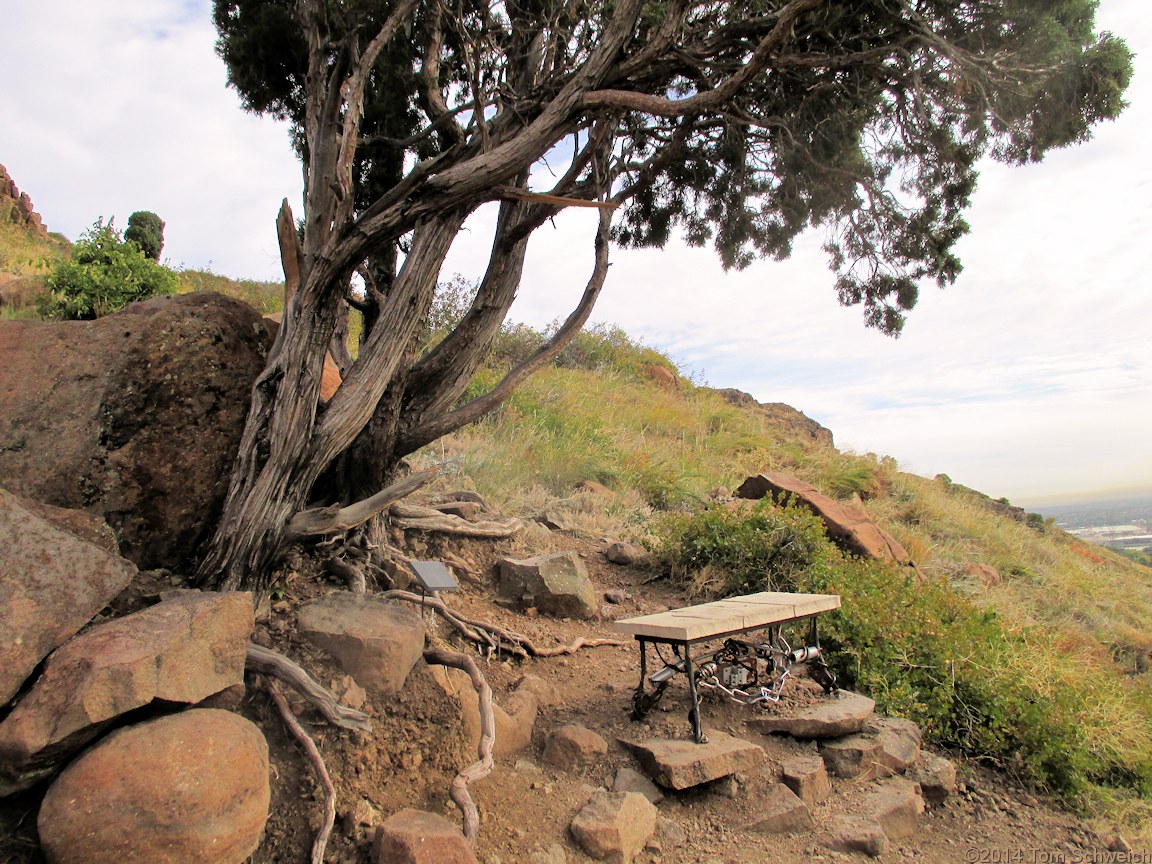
x: 694, y: 711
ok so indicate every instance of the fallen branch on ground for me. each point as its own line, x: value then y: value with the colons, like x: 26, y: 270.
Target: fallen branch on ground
x: 412, y: 517
x: 321, y: 842
x: 483, y: 766
x: 268, y: 662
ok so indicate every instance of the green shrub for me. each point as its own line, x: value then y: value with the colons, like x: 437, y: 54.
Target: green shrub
x: 925, y: 652
x: 103, y: 275
x: 146, y: 230
x: 765, y: 548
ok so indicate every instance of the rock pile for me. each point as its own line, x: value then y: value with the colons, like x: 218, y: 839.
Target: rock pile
x: 16, y: 207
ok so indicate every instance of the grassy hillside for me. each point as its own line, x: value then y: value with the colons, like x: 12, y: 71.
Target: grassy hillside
x: 1038, y: 663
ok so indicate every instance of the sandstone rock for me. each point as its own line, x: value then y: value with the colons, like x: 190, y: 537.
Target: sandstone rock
x: 554, y: 854
x: 808, y: 778
x: 849, y: 527
x: 936, y: 777
x: 683, y: 764
x: 556, y: 584
x: 899, y: 742
x: 134, y: 417
x: 418, y: 837
x: 16, y: 207
x: 545, y: 693
x: 885, y: 746
x: 854, y: 757
x: 831, y: 717
x: 860, y: 834
x: 897, y: 806
x: 984, y: 573
x: 668, y: 835
x: 614, y: 826
x: 781, y: 812
x: 591, y: 487
x: 626, y: 554
x: 192, y: 787
x: 53, y: 579
x: 573, y: 746
x: 182, y: 650
x: 515, y: 719
x: 629, y: 780
x: 374, y: 641
x: 663, y: 376
x: 616, y: 596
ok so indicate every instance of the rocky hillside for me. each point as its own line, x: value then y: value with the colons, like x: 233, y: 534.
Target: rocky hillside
x: 992, y: 698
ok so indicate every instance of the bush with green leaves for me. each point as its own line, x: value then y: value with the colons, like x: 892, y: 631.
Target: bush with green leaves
x: 146, y: 230
x: 103, y: 275
x: 924, y: 651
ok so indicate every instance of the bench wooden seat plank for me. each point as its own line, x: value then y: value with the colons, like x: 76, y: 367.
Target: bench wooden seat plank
x: 749, y: 612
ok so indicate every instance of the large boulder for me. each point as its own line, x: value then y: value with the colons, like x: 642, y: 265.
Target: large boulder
x: 135, y: 417
x: 842, y: 714
x: 191, y: 788
x: 180, y: 651
x: 374, y: 641
x: 848, y: 526
x: 56, y: 573
x: 556, y: 584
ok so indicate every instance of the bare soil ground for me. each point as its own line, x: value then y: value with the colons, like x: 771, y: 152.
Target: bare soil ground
x: 417, y: 746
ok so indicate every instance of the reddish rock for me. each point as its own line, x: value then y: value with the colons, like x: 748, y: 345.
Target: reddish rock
x: 781, y: 811
x: 861, y: 834
x: 185, y: 789
x: 573, y: 746
x: 808, y: 778
x: 374, y: 641
x: 182, y: 650
x: 663, y: 376
x: 626, y: 554
x: 56, y: 573
x: 854, y: 757
x: 614, y: 826
x: 897, y: 806
x: 676, y: 764
x: 936, y: 777
x: 418, y: 837
x: 899, y: 742
x: 544, y: 692
x: 16, y: 207
x: 840, y: 714
x: 848, y: 526
x: 135, y: 417
x: 986, y: 574
x: 630, y: 780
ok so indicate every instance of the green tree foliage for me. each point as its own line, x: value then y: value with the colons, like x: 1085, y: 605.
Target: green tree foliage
x: 739, y: 123
x: 103, y: 275
x: 146, y: 230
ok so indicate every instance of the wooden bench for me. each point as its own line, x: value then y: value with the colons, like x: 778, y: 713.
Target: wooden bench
x: 708, y: 622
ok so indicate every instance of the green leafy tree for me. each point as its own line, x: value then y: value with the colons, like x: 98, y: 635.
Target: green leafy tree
x: 146, y: 230
x: 103, y: 275
x: 735, y: 123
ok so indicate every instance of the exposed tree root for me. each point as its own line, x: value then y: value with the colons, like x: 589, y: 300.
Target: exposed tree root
x: 413, y: 517
x: 483, y: 766
x: 494, y: 637
x: 268, y: 662
x: 330, y: 520
x: 321, y: 842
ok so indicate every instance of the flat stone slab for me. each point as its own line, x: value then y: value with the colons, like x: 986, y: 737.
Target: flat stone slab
x: 684, y: 764
x: 781, y: 812
x: 841, y: 714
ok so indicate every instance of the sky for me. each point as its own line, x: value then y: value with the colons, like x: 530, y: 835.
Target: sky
x: 1030, y: 378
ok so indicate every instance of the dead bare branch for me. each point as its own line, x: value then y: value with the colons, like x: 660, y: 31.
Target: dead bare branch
x: 268, y: 662
x: 330, y: 520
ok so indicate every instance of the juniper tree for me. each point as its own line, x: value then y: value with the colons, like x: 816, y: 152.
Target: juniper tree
x: 735, y: 123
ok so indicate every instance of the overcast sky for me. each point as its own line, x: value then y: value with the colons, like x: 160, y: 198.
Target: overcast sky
x: 1031, y: 378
